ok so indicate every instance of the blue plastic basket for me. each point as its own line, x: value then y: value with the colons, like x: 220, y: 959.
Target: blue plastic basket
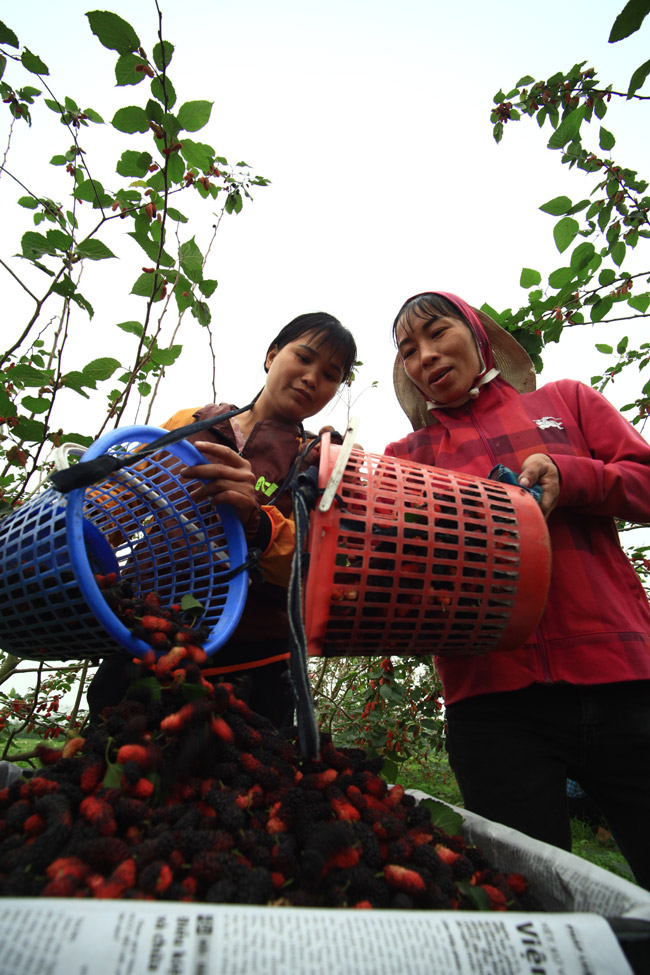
x: 140, y: 523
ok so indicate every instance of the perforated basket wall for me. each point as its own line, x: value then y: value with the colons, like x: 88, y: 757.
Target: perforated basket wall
x: 140, y: 523
x: 416, y: 560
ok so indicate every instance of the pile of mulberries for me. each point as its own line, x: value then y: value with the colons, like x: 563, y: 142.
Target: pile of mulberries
x: 182, y: 793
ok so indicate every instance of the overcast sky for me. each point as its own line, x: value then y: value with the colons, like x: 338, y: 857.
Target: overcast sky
x: 371, y: 119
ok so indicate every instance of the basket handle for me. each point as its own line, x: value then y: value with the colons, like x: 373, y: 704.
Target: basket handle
x: 92, y: 471
x: 339, y: 467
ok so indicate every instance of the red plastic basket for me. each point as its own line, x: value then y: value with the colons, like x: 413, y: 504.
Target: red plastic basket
x: 411, y: 559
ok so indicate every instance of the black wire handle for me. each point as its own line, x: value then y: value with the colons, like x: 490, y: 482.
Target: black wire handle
x: 92, y: 471
x: 305, y: 494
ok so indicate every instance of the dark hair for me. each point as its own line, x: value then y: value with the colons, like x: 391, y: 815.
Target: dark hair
x: 427, y: 305
x: 320, y: 324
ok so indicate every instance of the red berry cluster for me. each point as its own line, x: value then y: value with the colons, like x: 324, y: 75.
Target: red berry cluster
x: 181, y: 792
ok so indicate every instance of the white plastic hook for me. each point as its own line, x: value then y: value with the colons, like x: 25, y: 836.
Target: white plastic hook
x: 339, y: 467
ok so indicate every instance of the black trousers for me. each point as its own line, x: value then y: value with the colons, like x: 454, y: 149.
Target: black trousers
x: 512, y: 753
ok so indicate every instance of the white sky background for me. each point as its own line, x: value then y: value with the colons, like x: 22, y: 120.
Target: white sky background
x: 371, y: 119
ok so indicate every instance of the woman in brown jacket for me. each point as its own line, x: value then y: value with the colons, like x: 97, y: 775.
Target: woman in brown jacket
x: 251, y: 459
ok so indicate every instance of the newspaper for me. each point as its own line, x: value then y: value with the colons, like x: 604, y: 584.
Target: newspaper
x: 56, y: 936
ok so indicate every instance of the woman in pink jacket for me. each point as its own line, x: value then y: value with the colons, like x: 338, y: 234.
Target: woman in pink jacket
x: 574, y: 700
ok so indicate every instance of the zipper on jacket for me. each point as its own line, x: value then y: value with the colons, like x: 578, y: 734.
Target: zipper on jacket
x: 484, y: 440
x: 543, y: 655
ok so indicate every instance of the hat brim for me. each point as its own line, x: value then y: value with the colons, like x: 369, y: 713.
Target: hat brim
x: 510, y: 358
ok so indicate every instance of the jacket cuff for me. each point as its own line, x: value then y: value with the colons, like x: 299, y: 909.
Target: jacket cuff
x: 263, y: 534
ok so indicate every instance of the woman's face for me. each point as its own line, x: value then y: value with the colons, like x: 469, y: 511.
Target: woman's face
x: 440, y: 356
x: 302, y: 378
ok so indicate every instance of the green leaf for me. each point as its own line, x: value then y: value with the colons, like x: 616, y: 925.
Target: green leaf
x: 172, y: 127
x: 125, y: 73
x: 564, y: 233
x: 35, y: 405
x: 100, y: 369
x: 83, y: 303
x: 7, y: 36
x: 639, y: 302
x: 189, y: 604
x: 176, y: 215
x: 557, y: 206
x: 560, y: 278
x: 162, y: 54
x: 155, y: 111
x: 144, y: 286
x: 201, y: 312
x: 600, y: 108
x: 94, y: 249
x: 28, y: 201
x: 568, y: 128
x: 59, y: 239
x: 135, y: 328
x: 166, y: 357
x: 622, y: 345
x: 175, y: 168
x: 605, y: 349
x: 526, y: 80
x: 605, y: 216
x: 93, y: 116
x: 144, y: 389
x: 113, y: 776
x: 601, y: 308
x: 197, y: 154
x: 151, y: 684
x: 606, y: 277
x: 582, y: 254
x: 629, y: 20
x: 35, y: 245
x: 529, y: 277
x: 75, y: 380
x: 133, y: 163
x: 113, y: 32
x: 29, y: 92
x: 607, y: 140
x: 191, y: 260
x: 131, y: 119
x: 577, y: 207
x: 208, y: 287
x: 194, y: 115
x: 390, y: 770
x: 25, y: 375
x: 475, y: 894
x: 93, y: 192
x: 443, y: 816
x: 151, y: 249
x: 164, y: 92
x: 638, y: 78
x: 33, y: 63
x: 618, y: 253
x: 31, y: 430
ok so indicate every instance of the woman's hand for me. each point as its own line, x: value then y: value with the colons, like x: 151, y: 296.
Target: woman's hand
x: 540, y: 469
x: 230, y: 481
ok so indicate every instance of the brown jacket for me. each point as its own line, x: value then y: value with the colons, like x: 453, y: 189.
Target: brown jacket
x: 271, y: 449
